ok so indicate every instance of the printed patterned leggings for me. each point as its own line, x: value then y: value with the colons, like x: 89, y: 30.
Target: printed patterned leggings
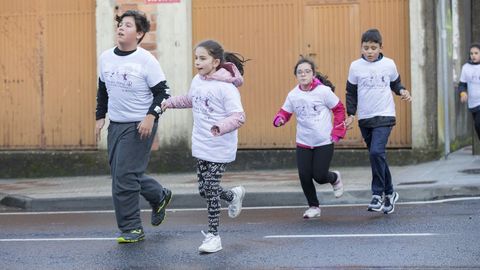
x: 209, y: 174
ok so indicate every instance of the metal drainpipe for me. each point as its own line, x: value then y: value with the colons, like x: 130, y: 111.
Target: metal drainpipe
x: 443, y: 51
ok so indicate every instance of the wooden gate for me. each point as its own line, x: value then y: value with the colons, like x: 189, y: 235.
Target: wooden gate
x: 47, y: 74
x: 273, y: 33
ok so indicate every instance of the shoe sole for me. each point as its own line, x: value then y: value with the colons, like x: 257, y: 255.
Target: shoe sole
x: 307, y: 217
x: 125, y: 241
x: 338, y: 195
x: 241, y: 202
x: 393, y: 206
x: 341, y: 194
x: 209, y: 251
x: 166, y: 202
x: 375, y: 210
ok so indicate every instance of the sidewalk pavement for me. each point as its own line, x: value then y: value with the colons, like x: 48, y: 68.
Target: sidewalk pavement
x: 456, y: 176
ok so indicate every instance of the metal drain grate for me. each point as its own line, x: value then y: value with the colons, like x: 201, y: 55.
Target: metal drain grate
x: 428, y: 182
x: 471, y: 171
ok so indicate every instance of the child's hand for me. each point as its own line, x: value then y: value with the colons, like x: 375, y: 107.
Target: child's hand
x: 463, y: 97
x: 145, y: 127
x: 98, y: 128
x: 405, y: 95
x: 215, y: 130
x: 164, y: 105
x: 279, y: 121
x: 349, y: 121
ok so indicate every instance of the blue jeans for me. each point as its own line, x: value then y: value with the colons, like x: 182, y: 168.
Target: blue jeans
x: 376, y: 139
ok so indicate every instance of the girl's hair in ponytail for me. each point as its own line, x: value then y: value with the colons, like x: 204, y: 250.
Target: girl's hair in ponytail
x: 324, y: 79
x: 216, y: 51
x: 321, y: 77
x: 237, y: 59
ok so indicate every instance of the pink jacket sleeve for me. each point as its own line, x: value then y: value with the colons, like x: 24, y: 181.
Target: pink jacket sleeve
x: 179, y: 102
x: 282, y: 114
x: 339, y: 129
x: 231, y: 123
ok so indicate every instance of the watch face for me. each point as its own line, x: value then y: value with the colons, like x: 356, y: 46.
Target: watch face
x: 158, y: 109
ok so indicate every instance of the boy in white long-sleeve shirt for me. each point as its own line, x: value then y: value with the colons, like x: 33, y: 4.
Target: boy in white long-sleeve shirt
x: 371, y: 80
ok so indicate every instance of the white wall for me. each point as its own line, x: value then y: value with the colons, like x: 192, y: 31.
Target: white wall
x: 174, y: 37
x: 174, y: 48
x: 105, y: 25
x: 417, y: 62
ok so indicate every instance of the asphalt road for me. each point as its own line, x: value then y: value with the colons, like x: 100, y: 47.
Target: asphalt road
x: 442, y: 235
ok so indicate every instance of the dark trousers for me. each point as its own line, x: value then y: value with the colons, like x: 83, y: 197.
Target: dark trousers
x: 376, y: 139
x: 476, y: 120
x: 128, y: 156
x: 313, y: 164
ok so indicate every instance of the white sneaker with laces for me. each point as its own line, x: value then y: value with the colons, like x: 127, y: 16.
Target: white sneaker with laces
x: 312, y: 212
x: 338, y: 185
x: 212, y: 243
x: 235, y: 206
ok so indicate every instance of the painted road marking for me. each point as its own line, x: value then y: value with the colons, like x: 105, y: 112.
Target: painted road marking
x: 350, y: 235
x: 246, y: 208
x: 267, y: 236
x: 56, y: 239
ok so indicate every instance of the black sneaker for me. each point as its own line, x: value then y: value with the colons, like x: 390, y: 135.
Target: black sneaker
x: 376, y: 204
x: 390, y: 201
x: 131, y: 236
x: 158, y: 212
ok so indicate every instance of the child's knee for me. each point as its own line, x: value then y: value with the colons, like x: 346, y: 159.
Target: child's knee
x: 321, y: 178
x: 211, y: 188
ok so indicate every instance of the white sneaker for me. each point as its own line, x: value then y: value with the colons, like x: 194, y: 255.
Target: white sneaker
x: 312, y: 212
x: 212, y: 243
x: 235, y: 206
x: 338, y: 185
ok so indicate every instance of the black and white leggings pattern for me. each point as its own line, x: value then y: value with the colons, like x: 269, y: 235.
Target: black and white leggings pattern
x: 209, y: 174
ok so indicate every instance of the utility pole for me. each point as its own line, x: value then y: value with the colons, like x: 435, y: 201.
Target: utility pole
x: 444, y: 73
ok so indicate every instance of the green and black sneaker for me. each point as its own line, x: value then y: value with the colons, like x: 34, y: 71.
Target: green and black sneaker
x: 132, y: 236
x: 158, y: 212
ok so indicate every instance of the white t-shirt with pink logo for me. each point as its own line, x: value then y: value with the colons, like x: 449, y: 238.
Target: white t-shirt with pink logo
x: 313, y: 112
x: 471, y: 76
x: 213, y: 101
x: 373, y: 80
x: 128, y: 80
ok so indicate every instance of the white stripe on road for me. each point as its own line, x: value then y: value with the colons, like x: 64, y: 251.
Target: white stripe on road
x: 349, y: 235
x: 246, y: 208
x: 268, y: 236
x: 56, y: 239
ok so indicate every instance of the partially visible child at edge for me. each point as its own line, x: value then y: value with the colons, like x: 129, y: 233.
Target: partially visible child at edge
x: 312, y: 101
x: 217, y: 114
x: 371, y: 80
x: 131, y: 87
x: 469, y: 86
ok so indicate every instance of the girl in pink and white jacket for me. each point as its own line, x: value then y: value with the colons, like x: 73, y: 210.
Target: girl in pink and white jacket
x: 313, y: 102
x: 217, y: 114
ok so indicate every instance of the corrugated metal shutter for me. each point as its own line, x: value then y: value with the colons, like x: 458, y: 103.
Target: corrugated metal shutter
x: 274, y: 33
x: 48, y: 52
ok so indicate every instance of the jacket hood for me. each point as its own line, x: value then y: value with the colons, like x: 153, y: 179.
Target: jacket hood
x: 228, y: 72
x: 315, y: 82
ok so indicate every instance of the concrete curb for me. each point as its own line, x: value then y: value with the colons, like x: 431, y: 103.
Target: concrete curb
x: 252, y: 199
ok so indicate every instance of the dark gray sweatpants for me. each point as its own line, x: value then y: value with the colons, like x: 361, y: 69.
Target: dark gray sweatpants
x: 128, y: 157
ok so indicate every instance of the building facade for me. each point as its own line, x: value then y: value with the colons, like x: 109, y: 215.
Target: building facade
x: 49, y: 50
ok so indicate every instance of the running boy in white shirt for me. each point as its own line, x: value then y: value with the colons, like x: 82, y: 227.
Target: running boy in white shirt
x: 131, y: 87
x: 217, y: 114
x: 469, y: 86
x: 370, y: 83
x: 313, y: 102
